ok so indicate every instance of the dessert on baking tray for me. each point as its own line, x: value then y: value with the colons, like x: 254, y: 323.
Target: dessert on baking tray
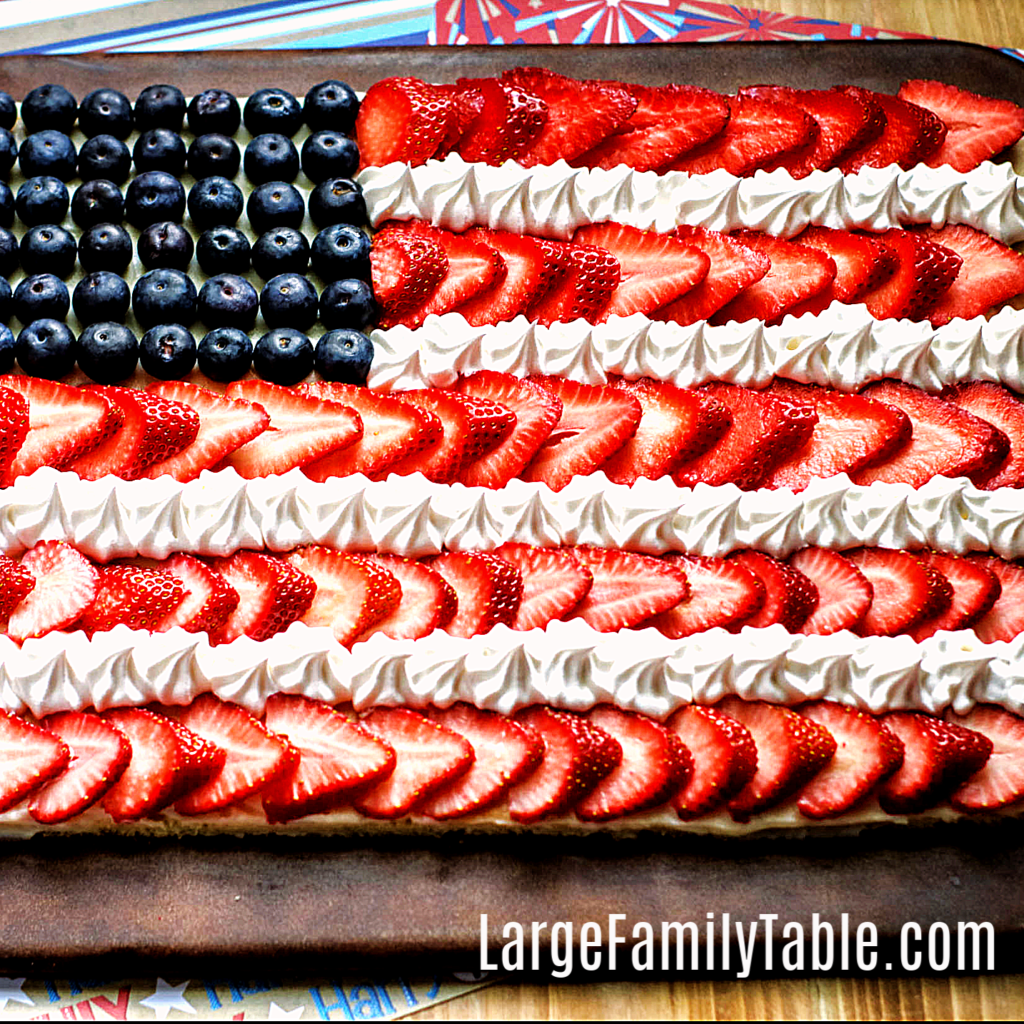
x: 660, y: 462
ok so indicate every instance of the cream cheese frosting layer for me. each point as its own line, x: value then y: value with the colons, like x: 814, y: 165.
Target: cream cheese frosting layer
x: 555, y: 200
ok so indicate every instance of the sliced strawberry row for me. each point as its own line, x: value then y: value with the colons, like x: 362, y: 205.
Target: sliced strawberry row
x: 305, y: 757
x: 536, y: 116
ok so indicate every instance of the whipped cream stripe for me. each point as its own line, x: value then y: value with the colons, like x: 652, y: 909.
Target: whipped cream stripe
x: 843, y: 347
x: 555, y: 200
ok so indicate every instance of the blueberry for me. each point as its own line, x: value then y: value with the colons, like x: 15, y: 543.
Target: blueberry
x: 225, y: 354
x: 105, y: 247
x: 8, y: 253
x: 8, y: 151
x: 281, y: 251
x: 160, y: 106
x: 271, y: 157
x: 101, y: 296
x: 223, y: 250
x: 8, y: 111
x: 160, y: 149
x: 104, y: 156
x: 97, y: 202
x: 275, y: 204
x: 6, y: 296
x: 48, y: 249
x: 165, y: 244
x: 348, y: 303
x: 108, y: 353
x: 339, y: 251
x: 213, y: 154
x: 215, y: 201
x: 168, y: 352
x: 6, y: 205
x: 283, y: 356
x: 6, y: 349
x: 48, y: 152
x: 164, y: 296
x: 46, y: 348
x: 214, y: 110
x: 272, y: 110
x: 344, y: 355
x: 331, y: 104
x: 41, y: 297
x: 329, y: 154
x: 49, y: 106
x: 106, y: 112
x: 337, y: 201
x: 42, y: 200
x: 289, y: 300
x: 228, y: 300
x: 154, y: 196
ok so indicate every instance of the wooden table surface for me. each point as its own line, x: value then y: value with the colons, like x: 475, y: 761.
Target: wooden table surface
x: 991, y: 23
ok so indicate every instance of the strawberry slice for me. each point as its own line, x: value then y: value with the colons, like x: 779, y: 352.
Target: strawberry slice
x: 722, y: 593
x: 509, y: 120
x: 990, y: 275
x: 977, y: 127
x: 724, y: 759
x: 628, y: 588
x: 99, y: 755
x: 577, y: 754
x: 764, y: 432
x: 16, y: 583
x: 505, y: 751
x: 975, y: 590
x: 303, y: 428
x: 405, y: 271
x: 467, y: 105
x: 536, y: 412
x: 843, y: 123
x: 335, y: 756
x: 167, y: 762
x: 473, y: 268
x: 254, y: 756
x: 904, y: 591
x: 582, y: 290
x: 654, y: 765
x: 676, y: 425
x: 352, y: 595
x: 789, y: 596
x: 924, y: 272
x: 208, y: 599
x: 136, y: 596
x: 668, y: 121
x: 271, y: 595
x: 945, y: 440
x: 488, y: 590
x: 65, y: 585
x: 938, y: 757
x: 734, y: 267
x: 225, y: 424
x: 392, y: 430
x: 1004, y: 409
x: 654, y: 269
x: 30, y: 756
x: 595, y: 423
x: 758, y: 133
x: 911, y: 133
x: 554, y: 582
x: 852, y: 431
x: 1001, y: 781
x: 526, y: 277
x: 152, y: 429
x: 64, y: 422
x: 427, y: 755
x: 867, y: 752
x: 14, y: 422
x: 797, y: 273
x: 428, y: 601
x: 791, y: 750
x: 401, y: 119
x: 844, y: 593
x: 1005, y: 619
x: 580, y: 114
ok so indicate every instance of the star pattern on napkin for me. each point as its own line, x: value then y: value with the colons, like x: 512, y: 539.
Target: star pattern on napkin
x: 10, y: 991
x: 277, y: 1013
x: 167, y: 998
